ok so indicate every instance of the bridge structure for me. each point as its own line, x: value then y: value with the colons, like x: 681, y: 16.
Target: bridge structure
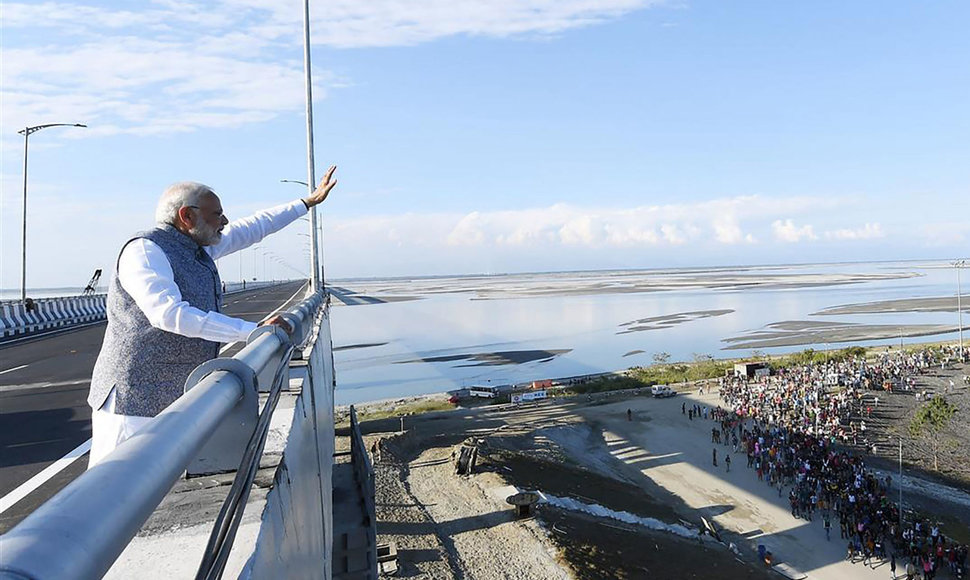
x: 237, y: 478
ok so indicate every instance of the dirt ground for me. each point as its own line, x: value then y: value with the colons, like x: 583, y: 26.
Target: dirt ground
x: 890, y: 416
x: 657, y: 465
x: 450, y: 526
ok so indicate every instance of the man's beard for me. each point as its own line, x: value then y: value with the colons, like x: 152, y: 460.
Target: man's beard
x: 205, y: 235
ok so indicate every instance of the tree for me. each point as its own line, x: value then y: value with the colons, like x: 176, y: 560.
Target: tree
x: 661, y: 357
x: 929, y: 424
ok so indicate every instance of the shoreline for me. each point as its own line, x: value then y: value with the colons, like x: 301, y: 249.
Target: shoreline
x: 390, y: 403
x: 430, y: 403
x: 654, y: 467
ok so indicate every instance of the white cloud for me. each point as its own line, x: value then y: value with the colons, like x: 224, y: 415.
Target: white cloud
x: 727, y: 230
x: 702, y: 223
x: 584, y: 230
x: 866, y: 232
x: 673, y: 234
x: 467, y: 232
x: 787, y: 231
x: 178, y: 65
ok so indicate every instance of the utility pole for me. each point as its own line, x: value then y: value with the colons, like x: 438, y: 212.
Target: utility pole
x: 959, y: 265
x: 26, y: 132
x: 316, y: 283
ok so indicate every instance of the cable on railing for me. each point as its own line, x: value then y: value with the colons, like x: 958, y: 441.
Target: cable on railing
x: 230, y: 515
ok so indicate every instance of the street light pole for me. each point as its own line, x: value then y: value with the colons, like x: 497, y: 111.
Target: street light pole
x: 319, y: 227
x: 26, y: 132
x: 255, y: 263
x: 959, y: 265
x: 315, y: 273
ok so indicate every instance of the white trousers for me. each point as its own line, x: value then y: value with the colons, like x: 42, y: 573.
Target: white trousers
x: 108, y: 430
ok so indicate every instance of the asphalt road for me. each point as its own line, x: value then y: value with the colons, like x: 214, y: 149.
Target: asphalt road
x: 43, y: 388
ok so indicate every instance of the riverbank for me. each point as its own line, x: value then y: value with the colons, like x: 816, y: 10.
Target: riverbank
x: 450, y: 526
x: 616, y: 473
x: 653, y: 467
x: 887, y: 424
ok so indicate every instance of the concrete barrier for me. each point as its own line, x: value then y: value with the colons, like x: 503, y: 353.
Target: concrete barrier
x: 49, y: 314
x: 61, y: 312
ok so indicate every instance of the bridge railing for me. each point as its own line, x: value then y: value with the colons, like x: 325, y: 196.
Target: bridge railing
x: 81, y: 531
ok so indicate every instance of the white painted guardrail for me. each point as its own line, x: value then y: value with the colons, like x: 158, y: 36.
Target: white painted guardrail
x: 46, y: 314
x: 42, y: 314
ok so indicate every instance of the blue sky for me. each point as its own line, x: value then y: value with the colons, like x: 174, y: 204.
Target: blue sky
x: 497, y: 136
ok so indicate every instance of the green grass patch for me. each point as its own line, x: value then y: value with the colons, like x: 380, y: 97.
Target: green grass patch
x: 603, y: 384
x: 812, y: 356
x: 415, y: 408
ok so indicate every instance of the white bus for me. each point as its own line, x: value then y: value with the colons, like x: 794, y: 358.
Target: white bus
x: 484, y: 392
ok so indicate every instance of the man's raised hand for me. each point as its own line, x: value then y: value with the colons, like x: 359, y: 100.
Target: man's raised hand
x: 323, y: 190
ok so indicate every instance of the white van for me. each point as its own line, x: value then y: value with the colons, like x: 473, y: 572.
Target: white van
x: 662, y: 391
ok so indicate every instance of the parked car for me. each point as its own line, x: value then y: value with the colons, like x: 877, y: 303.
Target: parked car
x: 662, y: 391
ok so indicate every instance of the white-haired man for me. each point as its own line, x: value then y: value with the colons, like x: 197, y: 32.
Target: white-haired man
x: 163, y: 306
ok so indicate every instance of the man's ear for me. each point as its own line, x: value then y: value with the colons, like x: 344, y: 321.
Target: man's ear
x: 186, y: 216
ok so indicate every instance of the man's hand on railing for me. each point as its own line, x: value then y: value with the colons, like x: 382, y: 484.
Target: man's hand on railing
x: 278, y: 321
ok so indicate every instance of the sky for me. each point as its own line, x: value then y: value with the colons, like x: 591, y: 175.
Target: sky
x: 494, y: 136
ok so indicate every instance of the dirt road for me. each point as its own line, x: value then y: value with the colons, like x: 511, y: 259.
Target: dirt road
x: 676, y: 453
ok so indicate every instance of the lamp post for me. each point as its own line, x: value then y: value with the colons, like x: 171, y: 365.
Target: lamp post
x: 27, y: 132
x: 959, y: 265
x: 316, y: 271
x: 255, y: 263
x: 312, y: 220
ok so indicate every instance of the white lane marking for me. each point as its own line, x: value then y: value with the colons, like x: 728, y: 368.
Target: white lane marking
x: 53, y: 469
x: 7, y: 388
x: 284, y: 305
x: 14, y: 369
x: 41, y: 478
x: 50, y: 333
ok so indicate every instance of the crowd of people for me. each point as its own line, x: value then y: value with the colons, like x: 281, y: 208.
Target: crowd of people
x: 793, y: 427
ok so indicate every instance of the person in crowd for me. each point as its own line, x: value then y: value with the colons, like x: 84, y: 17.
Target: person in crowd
x: 797, y: 429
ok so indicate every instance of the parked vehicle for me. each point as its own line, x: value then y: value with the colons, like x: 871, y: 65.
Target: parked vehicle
x: 529, y: 396
x: 485, y: 392
x: 662, y: 391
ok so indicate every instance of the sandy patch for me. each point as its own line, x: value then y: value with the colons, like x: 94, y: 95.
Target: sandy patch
x: 676, y: 455
x: 609, y: 282
x: 357, y: 346
x: 669, y: 320
x: 805, y: 332
x: 488, y: 359
x: 938, y: 304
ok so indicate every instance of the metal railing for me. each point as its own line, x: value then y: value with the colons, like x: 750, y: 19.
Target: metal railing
x: 82, y: 530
